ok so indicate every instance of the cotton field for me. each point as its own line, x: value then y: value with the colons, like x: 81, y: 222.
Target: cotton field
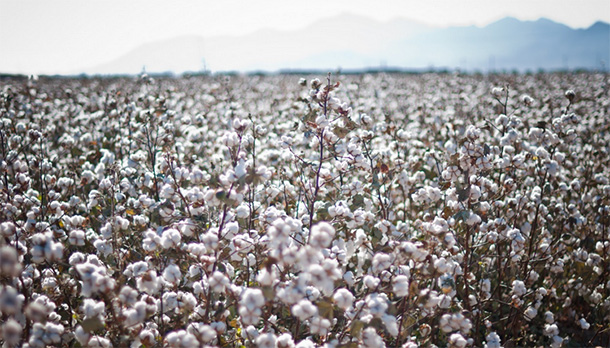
x: 381, y: 210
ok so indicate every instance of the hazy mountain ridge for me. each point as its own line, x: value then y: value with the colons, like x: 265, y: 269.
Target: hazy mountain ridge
x: 511, y: 44
x: 352, y: 42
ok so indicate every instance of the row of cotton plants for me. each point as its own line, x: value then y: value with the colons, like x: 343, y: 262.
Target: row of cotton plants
x: 431, y: 210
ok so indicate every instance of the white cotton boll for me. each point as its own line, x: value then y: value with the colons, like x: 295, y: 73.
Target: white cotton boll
x: 172, y: 274
x: 451, y: 173
x: 549, y: 317
x: 128, y: 296
x: 530, y: 313
x: 7, y: 229
x: 148, y: 282
x: 242, y: 211
x: 218, y: 282
x: 319, y: 326
x: 381, y: 261
x: 77, y: 237
x: 11, y: 301
x: 11, y: 332
x: 502, y: 120
x: 81, y: 335
x: 475, y: 193
x: 343, y: 298
x: 441, y: 265
x: 265, y: 278
x: 206, y: 333
x: 457, y: 340
x: 445, y: 301
x: 348, y: 277
x: 187, y: 227
x: 542, y: 153
x: 434, y: 193
x: 147, y: 335
x: 170, y: 238
x: 519, y: 288
x: 492, y: 340
x: 219, y: 327
x: 210, y: 240
x: 370, y: 339
x: 266, y: 340
x: 103, y: 247
x: 321, y: 235
x: 370, y: 281
x: 286, y: 141
x: 440, y: 225
x: 306, y: 343
x: 304, y: 310
x: 551, y: 330
x: 138, y: 268
x: 473, y: 219
x: 9, y: 262
x: 92, y: 308
x: 445, y: 323
x: 231, y: 229
x: 322, y: 121
x: 583, y: 324
x: 391, y: 324
x: 250, y: 305
x: 105, y: 184
x: 360, y: 237
x: 99, y: 342
x: 377, y: 304
x: 285, y: 341
x: 240, y: 168
x: 400, y: 286
x: 557, y: 341
x: 410, y: 345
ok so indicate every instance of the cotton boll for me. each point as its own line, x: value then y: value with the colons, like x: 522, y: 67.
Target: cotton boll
x: 530, y: 313
x: 457, y: 340
x: 170, y: 238
x: 148, y: 282
x: 519, y: 288
x: 321, y: 235
x: 370, y: 339
x: 172, y: 274
x: 11, y: 332
x: 343, y: 298
x: 77, y: 237
x: 583, y: 324
x: 218, y: 282
x: 187, y: 227
x: 492, y: 340
x: 267, y: 340
x: 250, y: 305
x: 370, y: 281
x: 304, y: 310
x: 9, y: 262
x: 285, y: 341
x: 400, y: 286
x: 319, y: 326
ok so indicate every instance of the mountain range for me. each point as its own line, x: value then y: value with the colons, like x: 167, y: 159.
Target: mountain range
x: 353, y: 42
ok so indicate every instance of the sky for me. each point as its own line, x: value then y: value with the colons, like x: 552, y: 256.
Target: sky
x: 44, y: 36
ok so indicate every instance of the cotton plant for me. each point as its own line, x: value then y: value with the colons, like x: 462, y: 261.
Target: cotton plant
x: 373, y: 210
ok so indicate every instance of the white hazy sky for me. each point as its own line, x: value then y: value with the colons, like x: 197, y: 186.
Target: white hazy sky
x: 54, y: 36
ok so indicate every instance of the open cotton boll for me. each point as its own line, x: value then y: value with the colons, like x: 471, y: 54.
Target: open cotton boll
x: 321, y: 235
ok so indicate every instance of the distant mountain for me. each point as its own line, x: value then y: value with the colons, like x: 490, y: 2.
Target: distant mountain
x: 174, y: 55
x: 357, y: 37
x: 507, y: 44
x: 353, y: 42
